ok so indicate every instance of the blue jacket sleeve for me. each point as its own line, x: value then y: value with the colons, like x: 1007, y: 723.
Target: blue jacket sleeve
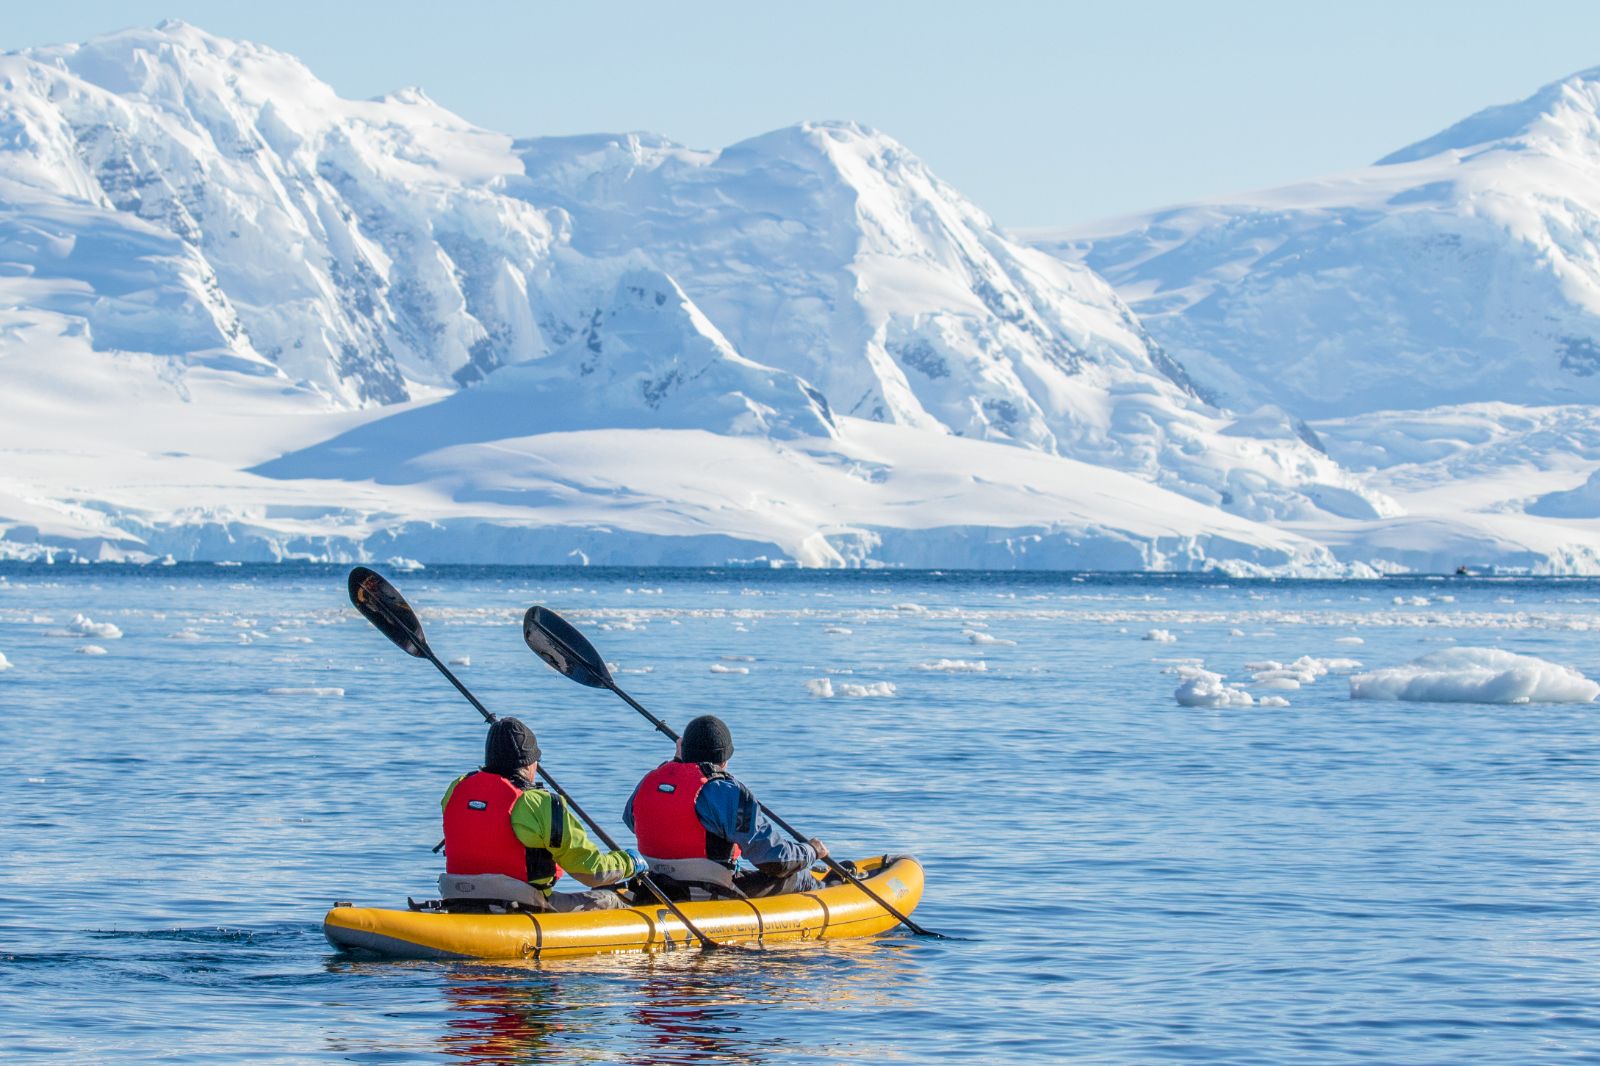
x: 729, y: 810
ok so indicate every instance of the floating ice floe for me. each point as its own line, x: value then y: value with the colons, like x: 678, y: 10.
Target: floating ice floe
x: 1272, y: 701
x: 911, y: 608
x: 84, y: 626
x: 305, y: 692
x: 1475, y: 675
x: 1303, y: 671
x: 1202, y: 688
x: 91, y: 649
x: 459, y: 660
x: 1162, y: 636
x: 843, y: 631
x: 737, y: 658
x: 978, y: 637
x: 1348, y: 640
x: 404, y: 565
x: 955, y: 666
x: 820, y: 687
x: 873, y: 689
x: 184, y: 634
x: 718, y: 668
x: 5, y: 664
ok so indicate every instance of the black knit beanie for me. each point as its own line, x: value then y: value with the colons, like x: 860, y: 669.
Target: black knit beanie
x: 509, y: 747
x: 706, y: 739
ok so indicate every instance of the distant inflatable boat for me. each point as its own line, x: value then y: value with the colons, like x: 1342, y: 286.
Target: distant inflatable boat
x: 830, y: 913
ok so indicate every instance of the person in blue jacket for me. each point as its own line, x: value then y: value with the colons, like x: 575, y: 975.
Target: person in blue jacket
x: 694, y: 821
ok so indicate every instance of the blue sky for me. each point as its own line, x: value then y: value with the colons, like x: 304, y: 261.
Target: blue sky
x: 1044, y: 113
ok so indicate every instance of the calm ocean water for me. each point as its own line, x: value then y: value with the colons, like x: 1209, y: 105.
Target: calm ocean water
x: 1140, y: 882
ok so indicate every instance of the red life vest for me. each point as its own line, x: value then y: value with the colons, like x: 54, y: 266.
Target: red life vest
x: 478, y: 838
x: 664, y: 819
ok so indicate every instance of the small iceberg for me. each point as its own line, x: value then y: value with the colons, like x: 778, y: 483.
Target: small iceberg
x: 1475, y: 675
x: 1202, y: 688
x: 84, y: 626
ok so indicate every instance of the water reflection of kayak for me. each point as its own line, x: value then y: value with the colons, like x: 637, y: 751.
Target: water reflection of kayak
x: 835, y: 912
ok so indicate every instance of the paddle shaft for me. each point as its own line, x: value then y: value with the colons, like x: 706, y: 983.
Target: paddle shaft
x: 786, y: 827
x: 706, y: 943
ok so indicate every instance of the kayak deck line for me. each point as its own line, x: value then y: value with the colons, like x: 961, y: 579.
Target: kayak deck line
x: 830, y: 912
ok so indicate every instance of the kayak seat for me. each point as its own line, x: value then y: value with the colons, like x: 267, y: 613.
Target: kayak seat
x: 471, y: 891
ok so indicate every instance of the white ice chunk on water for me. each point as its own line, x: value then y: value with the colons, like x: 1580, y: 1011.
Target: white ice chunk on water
x: 184, y: 634
x: 1348, y: 640
x: 737, y: 658
x: 1202, y: 688
x: 911, y: 608
x: 1475, y: 675
x: 1162, y: 636
x: 305, y: 692
x: 718, y: 668
x: 984, y: 638
x: 84, y: 626
x: 459, y: 660
x: 870, y: 690
x: 1272, y: 701
x: 820, y: 687
x: 843, y: 631
x: 91, y: 649
x: 1287, y: 683
x: 5, y: 664
x: 955, y: 666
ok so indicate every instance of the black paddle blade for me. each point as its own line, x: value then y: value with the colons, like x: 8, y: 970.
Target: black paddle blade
x: 564, y: 648
x: 382, y: 605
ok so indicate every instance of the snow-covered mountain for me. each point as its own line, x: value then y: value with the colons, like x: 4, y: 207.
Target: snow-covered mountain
x: 241, y: 317
x: 830, y: 251
x: 1464, y: 268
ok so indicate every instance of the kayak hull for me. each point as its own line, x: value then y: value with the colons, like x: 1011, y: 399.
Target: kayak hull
x: 834, y: 912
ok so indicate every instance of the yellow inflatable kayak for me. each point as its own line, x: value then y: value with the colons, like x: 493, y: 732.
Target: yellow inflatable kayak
x: 833, y: 912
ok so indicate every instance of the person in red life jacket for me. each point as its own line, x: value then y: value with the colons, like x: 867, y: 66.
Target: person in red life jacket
x: 694, y: 821
x: 507, y: 839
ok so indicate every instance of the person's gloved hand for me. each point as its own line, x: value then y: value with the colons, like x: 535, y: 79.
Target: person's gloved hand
x: 640, y: 866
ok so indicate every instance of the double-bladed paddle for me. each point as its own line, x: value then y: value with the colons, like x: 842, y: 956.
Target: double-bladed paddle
x: 567, y: 651
x: 381, y: 604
